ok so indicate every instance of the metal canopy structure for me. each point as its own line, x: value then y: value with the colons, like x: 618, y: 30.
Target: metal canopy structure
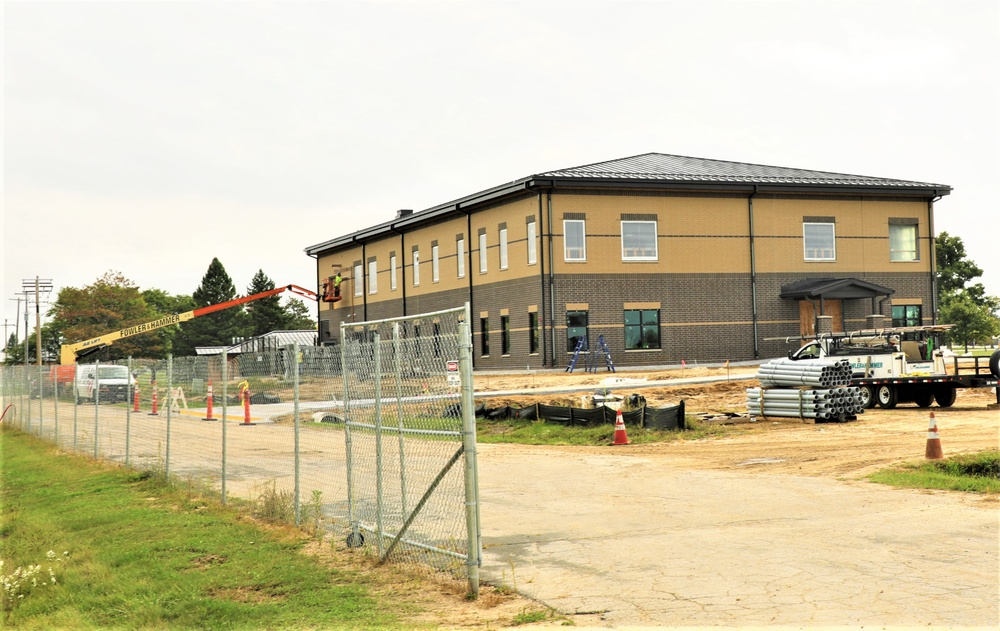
x: 833, y: 288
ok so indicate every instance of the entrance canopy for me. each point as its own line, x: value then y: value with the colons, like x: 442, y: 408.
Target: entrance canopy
x: 833, y: 288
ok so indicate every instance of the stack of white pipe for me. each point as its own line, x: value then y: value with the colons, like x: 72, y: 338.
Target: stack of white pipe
x: 830, y: 403
x: 815, y: 373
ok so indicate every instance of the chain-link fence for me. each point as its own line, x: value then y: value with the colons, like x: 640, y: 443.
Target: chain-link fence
x: 381, y: 453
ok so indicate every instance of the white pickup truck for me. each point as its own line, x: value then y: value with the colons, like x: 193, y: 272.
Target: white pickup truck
x: 105, y: 383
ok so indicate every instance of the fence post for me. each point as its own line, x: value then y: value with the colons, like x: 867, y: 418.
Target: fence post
x: 225, y: 406
x: 355, y: 535
x: 129, y: 394
x: 295, y: 416
x: 379, y: 489
x: 169, y: 404
x: 41, y: 400
x: 473, y: 545
x: 97, y: 402
x: 399, y: 415
x: 55, y: 401
x: 76, y: 403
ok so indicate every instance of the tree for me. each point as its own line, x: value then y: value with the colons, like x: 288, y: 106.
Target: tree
x: 954, y: 270
x: 299, y: 316
x: 266, y: 314
x: 220, y: 328
x: 163, y: 304
x: 112, y: 302
x: 972, y: 321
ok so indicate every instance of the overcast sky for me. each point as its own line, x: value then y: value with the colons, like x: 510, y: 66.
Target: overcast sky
x: 150, y: 137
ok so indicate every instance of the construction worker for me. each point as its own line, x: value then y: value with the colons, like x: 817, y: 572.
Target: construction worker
x: 336, y: 284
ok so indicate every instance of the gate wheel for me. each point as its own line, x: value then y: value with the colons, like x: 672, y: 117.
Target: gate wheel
x: 355, y: 540
x: 887, y: 397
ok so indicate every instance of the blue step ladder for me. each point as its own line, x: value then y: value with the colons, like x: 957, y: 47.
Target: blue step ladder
x: 603, y: 352
x: 581, y: 345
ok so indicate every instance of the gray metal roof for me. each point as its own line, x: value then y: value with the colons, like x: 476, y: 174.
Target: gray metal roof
x: 661, y: 166
x: 657, y: 171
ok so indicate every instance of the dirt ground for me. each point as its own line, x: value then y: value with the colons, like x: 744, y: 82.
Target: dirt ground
x: 842, y: 450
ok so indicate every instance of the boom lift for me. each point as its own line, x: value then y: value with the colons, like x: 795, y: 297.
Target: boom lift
x: 902, y: 364
x: 70, y: 353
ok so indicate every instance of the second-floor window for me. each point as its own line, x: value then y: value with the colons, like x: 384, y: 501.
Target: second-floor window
x: 358, y: 280
x: 482, y: 253
x: 373, y: 276
x: 575, y: 238
x: 503, y: 248
x: 416, y: 268
x: 532, y: 245
x: 903, y: 242
x: 435, y: 264
x: 819, y: 241
x: 460, y: 256
x: 392, y: 272
x: 639, y: 241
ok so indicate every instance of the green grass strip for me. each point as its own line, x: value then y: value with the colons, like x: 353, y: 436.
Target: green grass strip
x: 971, y: 473
x: 145, y: 556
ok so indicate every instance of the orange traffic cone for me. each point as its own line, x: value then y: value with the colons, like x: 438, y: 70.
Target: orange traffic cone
x: 621, y: 438
x: 933, y: 451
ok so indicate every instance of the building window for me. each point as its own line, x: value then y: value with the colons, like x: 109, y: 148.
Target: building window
x: 416, y: 267
x: 532, y: 245
x: 639, y: 241
x: 533, y: 332
x: 460, y: 254
x: 392, y: 272
x: 642, y: 329
x: 484, y: 336
x: 819, y: 240
x: 359, y: 280
x: 503, y: 248
x: 906, y: 315
x: 437, y: 339
x: 576, y: 330
x: 435, y: 265
x: 373, y: 276
x: 505, y: 335
x: 482, y: 253
x: 575, y: 240
x: 903, y: 242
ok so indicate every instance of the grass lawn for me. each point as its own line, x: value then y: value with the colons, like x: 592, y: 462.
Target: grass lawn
x: 145, y: 555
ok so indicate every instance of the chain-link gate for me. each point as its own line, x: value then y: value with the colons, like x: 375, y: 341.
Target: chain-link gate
x: 411, y: 439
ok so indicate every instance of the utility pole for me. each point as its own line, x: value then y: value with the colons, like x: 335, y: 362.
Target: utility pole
x: 40, y: 285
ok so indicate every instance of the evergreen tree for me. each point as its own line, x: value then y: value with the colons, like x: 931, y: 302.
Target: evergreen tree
x: 300, y: 318
x: 266, y: 314
x: 219, y: 328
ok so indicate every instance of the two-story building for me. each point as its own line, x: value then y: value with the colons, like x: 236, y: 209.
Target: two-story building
x: 667, y: 258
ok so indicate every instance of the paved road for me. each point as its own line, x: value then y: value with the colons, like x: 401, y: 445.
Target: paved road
x: 619, y: 541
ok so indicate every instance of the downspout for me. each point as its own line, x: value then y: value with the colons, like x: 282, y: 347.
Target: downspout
x: 364, y: 275
x: 552, y: 286
x: 753, y: 278
x: 319, y: 303
x: 541, y: 278
x: 402, y: 260
x: 933, y: 255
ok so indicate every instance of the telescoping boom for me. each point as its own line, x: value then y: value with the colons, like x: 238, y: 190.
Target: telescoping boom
x: 69, y: 353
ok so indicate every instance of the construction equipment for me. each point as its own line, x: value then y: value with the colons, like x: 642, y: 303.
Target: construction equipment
x: 70, y: 353
x: 903, y: 364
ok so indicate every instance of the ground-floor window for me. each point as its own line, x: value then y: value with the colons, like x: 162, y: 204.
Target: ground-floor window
x: 642, y: 329
x: 906, y: 315
x: 505, y: 335
x: 533, y: 332
x: 484, y: 336
x: 576, y: 329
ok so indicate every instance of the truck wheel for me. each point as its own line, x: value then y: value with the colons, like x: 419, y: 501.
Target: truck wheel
x: 945, y: 396
x: 923, y: 398
x: 868, y: 400
x: 995, y: 363
x: 887, y: 397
